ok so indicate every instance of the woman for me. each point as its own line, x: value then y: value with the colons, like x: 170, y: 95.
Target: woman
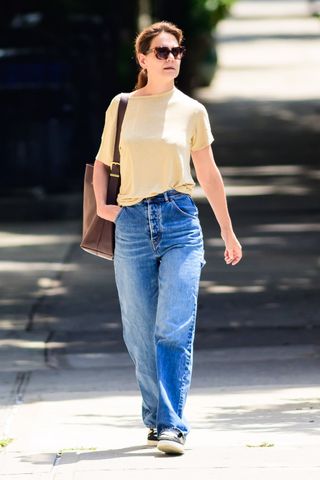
x: 159, y: 245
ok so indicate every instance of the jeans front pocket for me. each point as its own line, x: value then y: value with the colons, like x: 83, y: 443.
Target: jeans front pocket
x: 185, y: 205
x: 119, y: 215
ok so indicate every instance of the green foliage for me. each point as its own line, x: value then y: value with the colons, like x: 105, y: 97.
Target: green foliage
x: 261, y: 445
x: 200, y: 18
x: 197, y: 19
x: 5, y: 441
x: 77, y: 449
x: 205, y: 14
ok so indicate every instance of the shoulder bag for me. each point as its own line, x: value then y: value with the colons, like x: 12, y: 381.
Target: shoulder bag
x: 98, y: 234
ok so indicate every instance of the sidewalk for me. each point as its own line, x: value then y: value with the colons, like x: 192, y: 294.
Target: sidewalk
x: 67, y: 390
x: 253, y: 411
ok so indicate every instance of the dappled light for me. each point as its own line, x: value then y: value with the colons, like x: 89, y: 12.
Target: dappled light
x: 214, y: 287
x: 45, y: 282
x: 255, y: 190
x: 265, y: 170
x: 265, y: 180
x: 288, y: 227
x: 27, y: 267
x: 246, y: 411
x: 12, y: 239
x: 251, y: 241
x: 249, y: 67
x: 21, y: 343
x: 69, y: 396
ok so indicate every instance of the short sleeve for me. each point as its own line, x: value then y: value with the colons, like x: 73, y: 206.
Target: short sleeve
x: 202, y: 135
x: 105, y: 153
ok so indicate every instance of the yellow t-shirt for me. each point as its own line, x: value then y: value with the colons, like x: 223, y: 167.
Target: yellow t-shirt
x: 158, y: 133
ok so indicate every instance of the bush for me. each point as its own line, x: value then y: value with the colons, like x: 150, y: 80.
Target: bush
x: 198, y: 19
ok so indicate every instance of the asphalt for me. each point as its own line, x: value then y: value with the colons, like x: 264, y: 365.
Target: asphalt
x: 69, y: 400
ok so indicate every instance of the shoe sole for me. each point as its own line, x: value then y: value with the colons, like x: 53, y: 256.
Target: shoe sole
x: 152, y: 442
x: 167, y: 446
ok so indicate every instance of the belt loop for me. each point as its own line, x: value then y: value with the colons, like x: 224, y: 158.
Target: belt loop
x: 166, y: 196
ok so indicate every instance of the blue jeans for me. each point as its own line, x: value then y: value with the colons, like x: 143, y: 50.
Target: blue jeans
x: 158, y: 259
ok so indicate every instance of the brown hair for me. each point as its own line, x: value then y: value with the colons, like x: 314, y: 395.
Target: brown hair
x: 144, y: 39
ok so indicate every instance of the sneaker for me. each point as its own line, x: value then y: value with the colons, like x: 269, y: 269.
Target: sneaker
x: 171, y: 441
x: 152, y: 438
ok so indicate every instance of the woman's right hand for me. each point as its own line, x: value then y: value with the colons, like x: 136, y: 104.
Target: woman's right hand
x: 109, y: 212
x: 233, y: 250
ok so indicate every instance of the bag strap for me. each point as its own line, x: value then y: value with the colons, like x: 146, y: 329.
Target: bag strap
x: 114, y: 178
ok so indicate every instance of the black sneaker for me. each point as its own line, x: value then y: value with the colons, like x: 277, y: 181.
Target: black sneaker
x: 152, y: 438
x: 171, y: 441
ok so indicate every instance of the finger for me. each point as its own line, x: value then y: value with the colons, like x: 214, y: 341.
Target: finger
x: 236, y: 260
x: 229, y: 253
x: 228, y: 256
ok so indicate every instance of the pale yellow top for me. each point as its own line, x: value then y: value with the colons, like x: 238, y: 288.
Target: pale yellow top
x: 158, y: 133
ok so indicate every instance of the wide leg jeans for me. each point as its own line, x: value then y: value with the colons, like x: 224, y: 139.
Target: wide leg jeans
x: 158, y: 259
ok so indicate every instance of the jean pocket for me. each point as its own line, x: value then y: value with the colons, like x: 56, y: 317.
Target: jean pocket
x: 185, y: 205
x: 119, y: 215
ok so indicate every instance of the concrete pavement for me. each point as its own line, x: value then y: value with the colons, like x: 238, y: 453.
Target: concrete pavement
x: 68, y: 395
x: 253, y: 411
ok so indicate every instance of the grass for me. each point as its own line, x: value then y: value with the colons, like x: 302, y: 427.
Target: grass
x: 261, y: 445
x: 5, y: 441
x: 78, y: 449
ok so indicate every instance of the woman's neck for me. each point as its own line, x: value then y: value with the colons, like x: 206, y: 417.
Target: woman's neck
x: 152, y: 88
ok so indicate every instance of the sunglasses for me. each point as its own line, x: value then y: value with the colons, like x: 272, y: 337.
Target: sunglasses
x: 162, y: 53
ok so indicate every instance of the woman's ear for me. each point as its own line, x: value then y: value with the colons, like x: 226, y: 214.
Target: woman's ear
x: 142, y: 60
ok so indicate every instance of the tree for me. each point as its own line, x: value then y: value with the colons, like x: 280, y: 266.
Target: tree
x: 198, y: 19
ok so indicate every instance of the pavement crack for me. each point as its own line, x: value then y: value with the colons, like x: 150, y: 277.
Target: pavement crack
x: 59, y: 274
x: 49, y: 359
x: 16, y: 396
x: 55, y: 464
x: 21, y: 384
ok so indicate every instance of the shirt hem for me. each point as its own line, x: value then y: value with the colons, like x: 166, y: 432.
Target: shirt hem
x: 201, y: 148
x: 122, y: 203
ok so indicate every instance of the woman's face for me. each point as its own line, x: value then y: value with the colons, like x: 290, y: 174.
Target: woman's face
x: 161, y: 69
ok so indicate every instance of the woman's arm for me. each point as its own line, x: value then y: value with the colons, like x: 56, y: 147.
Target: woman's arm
x: 108, y: 212
x: 210, y: 179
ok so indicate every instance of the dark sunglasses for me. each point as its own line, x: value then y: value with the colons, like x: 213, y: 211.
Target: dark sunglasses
x: 162, y: 53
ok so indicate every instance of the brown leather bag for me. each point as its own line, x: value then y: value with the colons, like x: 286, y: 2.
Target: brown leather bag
x: 98, y: 235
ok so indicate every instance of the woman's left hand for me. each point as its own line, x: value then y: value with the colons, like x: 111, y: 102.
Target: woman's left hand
x: 233, y: 251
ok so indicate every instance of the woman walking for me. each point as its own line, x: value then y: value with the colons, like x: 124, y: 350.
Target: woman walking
x: 158, y: 238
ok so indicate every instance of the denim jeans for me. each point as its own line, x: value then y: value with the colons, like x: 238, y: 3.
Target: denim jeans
x: 158, y: 259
